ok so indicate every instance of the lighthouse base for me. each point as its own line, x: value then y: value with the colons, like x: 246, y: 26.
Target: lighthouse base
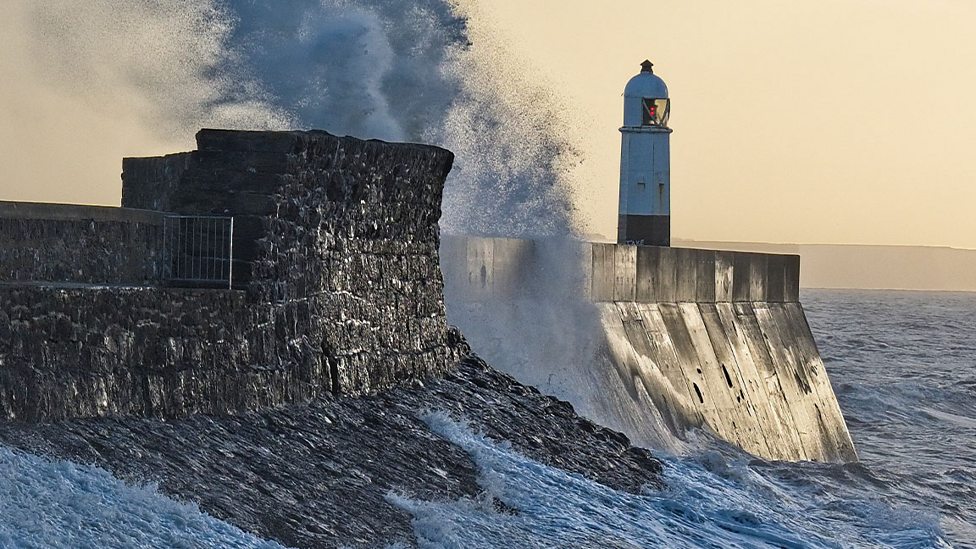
x: 647, y: 230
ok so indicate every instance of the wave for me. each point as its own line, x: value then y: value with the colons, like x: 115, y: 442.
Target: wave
x: 400, y: 70
x: 709, y: 501
x: 52, y: 503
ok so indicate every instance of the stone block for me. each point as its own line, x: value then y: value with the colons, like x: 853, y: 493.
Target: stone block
x: 647, y: 261
x: 791, y: 278
x: 253, y: 141
x: 602, y: 283
x: 514, y: 265
x: 705, y: 276
x: 584, y: 254
x: 724, y: 276
x: 757, y: 277
x: 775, y: 278
x: 480, y: 266
x: 666, y: 281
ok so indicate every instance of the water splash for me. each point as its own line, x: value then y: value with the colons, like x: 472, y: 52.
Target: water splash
x: 389, y: 69
x: 46, y: 503
x: 710, y: 501
x: 168, y: 64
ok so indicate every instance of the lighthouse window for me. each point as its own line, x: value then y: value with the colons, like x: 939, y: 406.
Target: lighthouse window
x: 654, y: 112
x: 649, y: 112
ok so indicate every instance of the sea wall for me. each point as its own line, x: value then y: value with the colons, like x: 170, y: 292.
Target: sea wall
x: 717, y: 339
x: 80, y: 244
x: 337, y: 288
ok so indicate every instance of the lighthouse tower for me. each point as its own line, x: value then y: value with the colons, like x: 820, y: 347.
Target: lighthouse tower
x: 645, y: 162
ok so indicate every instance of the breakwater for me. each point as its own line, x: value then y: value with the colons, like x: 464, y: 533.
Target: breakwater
x: 262, y: 330
x: 310, y: 265
x: 696, y: 338
x: 292, y: 395
x: 335, y: 287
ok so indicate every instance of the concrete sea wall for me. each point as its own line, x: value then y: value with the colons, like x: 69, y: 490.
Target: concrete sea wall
x: 717, y: 339
x: 337, y: 287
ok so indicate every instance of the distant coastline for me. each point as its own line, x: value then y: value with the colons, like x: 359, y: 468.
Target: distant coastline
x: 869, y: 267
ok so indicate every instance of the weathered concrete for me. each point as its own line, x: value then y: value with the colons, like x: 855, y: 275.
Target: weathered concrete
x: 750, y: 370
x: 721, y: 335
x: 620, y: 272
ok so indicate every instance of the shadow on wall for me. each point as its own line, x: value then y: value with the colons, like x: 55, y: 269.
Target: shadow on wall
x: 523, y: 306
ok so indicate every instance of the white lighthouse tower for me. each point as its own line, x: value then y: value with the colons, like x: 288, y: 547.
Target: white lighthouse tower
x: 645, y: 162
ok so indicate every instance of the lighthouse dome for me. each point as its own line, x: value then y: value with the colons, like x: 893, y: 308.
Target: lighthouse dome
x: 642, y: 90
x: 646, y: 84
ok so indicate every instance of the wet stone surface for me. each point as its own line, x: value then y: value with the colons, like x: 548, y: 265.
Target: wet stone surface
x: 317, y: 475
x: 335, y: 242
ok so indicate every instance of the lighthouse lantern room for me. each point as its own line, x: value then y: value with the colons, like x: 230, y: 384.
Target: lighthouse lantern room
x: 645, y: 163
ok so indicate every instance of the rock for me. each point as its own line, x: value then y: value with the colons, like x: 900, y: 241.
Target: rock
x: 317, y: 475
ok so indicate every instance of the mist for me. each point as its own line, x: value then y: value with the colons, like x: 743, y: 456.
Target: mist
x: 92, y: 81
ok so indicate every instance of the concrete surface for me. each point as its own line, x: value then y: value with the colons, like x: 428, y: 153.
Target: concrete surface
x: 725, y: 330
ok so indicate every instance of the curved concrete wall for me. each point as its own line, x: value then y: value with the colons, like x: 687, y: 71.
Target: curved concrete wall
x: 718, y: 339
x: 750, y: 371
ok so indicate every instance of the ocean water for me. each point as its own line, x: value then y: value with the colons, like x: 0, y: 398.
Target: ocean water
x: 904, y: 369
x: 46, y: 503
x: 903, y: 365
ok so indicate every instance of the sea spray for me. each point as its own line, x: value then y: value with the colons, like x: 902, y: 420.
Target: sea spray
x: 550, y: 336
x: 711, y: 500
x: 388, y: 69
x: 53, y: 503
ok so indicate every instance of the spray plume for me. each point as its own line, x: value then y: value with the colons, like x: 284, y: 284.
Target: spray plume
x: 388, y: 69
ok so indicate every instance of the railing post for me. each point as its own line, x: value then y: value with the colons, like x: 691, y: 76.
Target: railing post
x: 230, y: 257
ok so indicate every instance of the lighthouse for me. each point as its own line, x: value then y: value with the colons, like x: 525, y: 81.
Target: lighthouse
x: 645, y: 162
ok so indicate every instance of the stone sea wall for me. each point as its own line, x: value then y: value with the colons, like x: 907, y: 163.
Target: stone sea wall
x: 337, y: 287
x: 80, y: 244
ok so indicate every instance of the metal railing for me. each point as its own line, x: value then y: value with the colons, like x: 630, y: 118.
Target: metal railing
x: 198, y: 250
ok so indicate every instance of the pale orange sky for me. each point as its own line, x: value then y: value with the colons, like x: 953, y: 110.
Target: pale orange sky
x: 832, y: 121
x: 836, y: 121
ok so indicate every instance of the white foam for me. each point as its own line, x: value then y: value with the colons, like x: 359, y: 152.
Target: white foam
x: 738, y: 507
x: 52, y: 503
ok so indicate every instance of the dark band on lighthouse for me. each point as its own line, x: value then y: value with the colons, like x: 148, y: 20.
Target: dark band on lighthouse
x: 645, y: 163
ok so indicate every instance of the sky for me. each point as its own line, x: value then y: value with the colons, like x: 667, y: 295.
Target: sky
x: 840, y: 122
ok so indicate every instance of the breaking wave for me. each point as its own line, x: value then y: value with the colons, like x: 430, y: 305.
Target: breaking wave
x: 399, y: 70
x: 710, y: 500
x: 47, y: 503
x: 406, y: 70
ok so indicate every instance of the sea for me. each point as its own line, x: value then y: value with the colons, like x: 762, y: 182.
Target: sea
x: 903, y: 365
